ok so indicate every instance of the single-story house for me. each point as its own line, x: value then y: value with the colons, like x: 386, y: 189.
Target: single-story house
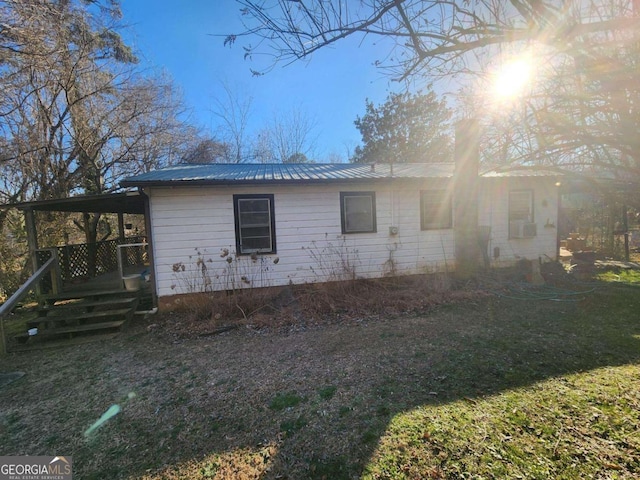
x: 228, y: 226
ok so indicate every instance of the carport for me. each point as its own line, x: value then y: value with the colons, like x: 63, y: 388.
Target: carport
x: 85, y: 261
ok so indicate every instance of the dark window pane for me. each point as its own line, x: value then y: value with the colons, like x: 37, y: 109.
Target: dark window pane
x: 358, y: 213
x: 435, y: 210
x: 254, y: 224
x: 254, y: 205
x: 251, y: 219
x: 254, y: 244
x: 521, y: 205
x: 256, y: 232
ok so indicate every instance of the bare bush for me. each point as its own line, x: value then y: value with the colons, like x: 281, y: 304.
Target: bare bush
x: 300, y: 306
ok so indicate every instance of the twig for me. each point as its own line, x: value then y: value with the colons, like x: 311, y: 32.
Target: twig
x: 243, y: 314
x: 217, y: 331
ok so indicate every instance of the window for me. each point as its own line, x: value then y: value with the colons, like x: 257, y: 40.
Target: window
x: 255, y: 224
x: 358, y: 212
x: 435, y: 209
x: 521, y: 205
x: 521, y: 214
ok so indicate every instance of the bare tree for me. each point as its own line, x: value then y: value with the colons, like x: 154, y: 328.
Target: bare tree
x: 75, y: 113
x: 428, y: 35
x: 286, y: 137
x: 206, y: 150
x: 290, y: 137
x: 233, y: 111
x: 585, y: 111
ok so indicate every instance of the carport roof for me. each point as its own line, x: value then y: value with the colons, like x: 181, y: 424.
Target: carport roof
x: 126, y: 202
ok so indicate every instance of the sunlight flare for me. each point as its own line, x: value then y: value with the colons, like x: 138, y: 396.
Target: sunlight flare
x: 512, y: 78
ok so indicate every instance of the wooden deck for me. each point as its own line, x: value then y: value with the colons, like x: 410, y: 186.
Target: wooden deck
x: 105, y: 282
x: 94, y: 309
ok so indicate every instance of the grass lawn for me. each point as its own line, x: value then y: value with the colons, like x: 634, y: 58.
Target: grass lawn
x: 496, y: 386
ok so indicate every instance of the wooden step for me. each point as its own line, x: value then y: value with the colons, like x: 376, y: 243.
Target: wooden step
x: 89, y: 327
x: 61, y: 343
x: 45, y: 322
x: 89, y: 305
x: 83, y: 328
x: 96, y: 294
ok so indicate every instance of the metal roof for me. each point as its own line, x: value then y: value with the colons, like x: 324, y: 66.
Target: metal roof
x: 221, y: 173
x: 522, y: 172
x: 228, y: 174
x: 239, y: 174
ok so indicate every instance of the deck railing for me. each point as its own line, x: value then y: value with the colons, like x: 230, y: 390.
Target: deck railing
x: 50, y: 266
x: 86, y: 260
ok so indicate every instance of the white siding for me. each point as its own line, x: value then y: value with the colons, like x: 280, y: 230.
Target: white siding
x: 493, y: 210
x: 192, y: 223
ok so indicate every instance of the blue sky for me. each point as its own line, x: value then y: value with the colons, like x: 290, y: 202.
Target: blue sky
x: 331, y: 87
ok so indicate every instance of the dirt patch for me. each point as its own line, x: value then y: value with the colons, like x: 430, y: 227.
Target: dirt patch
x: 309, y: 399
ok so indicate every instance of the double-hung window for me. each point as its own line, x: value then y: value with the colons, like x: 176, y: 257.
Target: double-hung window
x: 358, y: 212
x: 521, y: 205
x: 521, y: 221
x: 435, y: 209
x: 255, y: 224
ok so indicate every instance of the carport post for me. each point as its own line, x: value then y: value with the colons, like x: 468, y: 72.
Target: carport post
x: 32, y: 243
x: 121, y: 226
x: 32, y: 237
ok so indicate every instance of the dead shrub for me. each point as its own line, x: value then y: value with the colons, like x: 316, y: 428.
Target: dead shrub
x: 317, y: 303
x: 383, y: 296
x: 203, y: 313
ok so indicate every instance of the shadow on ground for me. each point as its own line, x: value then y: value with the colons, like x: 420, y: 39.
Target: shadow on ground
x: 307, y: 403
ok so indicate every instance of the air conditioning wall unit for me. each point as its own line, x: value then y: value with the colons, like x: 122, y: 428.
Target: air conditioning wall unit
x: 522, y: 229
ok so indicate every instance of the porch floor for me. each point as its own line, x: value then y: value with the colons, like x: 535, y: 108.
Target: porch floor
x: 104, y: 282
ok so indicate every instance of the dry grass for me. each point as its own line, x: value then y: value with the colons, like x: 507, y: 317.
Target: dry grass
x: 334, y: 397
x: 312, y: 304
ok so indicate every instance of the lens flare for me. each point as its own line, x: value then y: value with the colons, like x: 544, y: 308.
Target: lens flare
x: 511, y: 80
